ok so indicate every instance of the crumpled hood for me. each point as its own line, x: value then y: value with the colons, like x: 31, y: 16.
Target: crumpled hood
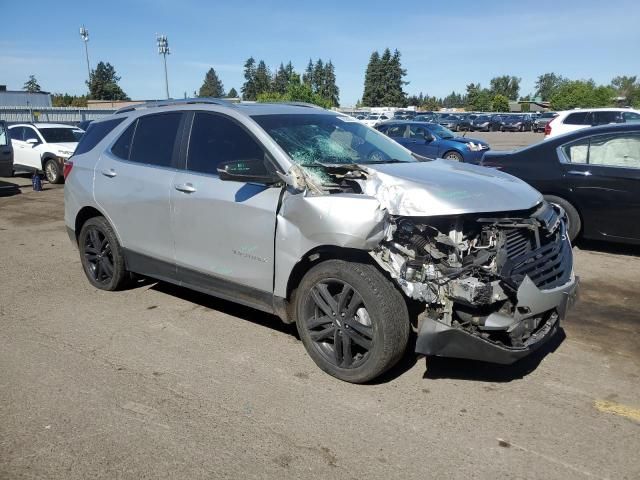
x: 444, y: 187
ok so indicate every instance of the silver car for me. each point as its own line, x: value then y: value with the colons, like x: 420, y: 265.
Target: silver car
x: 314, y: 217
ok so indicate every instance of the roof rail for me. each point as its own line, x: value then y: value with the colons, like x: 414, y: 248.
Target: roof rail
x: 181, y: 101
x: 303, y: 104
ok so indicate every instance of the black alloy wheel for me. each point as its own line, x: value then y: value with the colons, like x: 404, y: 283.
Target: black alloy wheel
x: 338, y: 323
x: 97, y: 251
x: 101, y: 255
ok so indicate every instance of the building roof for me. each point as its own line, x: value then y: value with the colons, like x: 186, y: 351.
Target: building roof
x: 19, y: 98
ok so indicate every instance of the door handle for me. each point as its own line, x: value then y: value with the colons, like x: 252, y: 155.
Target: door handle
x: 582, y: 173
x: 185, y: 187
x: 109, y: 173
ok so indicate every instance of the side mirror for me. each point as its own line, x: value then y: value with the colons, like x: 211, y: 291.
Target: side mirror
x: 252, y: 170
x: 32, y: 141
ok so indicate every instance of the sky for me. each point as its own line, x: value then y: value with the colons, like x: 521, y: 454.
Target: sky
x: 444, y: 45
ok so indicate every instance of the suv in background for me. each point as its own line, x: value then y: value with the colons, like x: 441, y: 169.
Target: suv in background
x: 541, y: 121
x: 6, y: 151
x: 43, y: 147
x: 571, y: 120
x: 309, y: 215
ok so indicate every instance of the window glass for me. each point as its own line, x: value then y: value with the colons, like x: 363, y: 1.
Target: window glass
x: 416, y: 131
x: 396, y: 131
x: 122, y: 147
x: 17, y: 133
x: 631, y: 117
x: 96, y: 132
x: 155, y: 139
x: 216, y: 139
x: 4, y: 137
x: 577, y: 152
x: 603, y: 118
x: 58, y: 135
x: 578, y: 118
x: 622, y: 150
x: 30, y: 133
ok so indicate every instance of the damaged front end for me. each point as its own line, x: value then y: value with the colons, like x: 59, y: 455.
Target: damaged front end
x: 495, y: 285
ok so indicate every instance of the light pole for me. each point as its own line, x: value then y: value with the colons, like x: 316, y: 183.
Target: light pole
x: 84, y: 34
x: 163, y: 49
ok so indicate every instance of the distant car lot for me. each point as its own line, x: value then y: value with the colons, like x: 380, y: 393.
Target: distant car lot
x: 100, y: 385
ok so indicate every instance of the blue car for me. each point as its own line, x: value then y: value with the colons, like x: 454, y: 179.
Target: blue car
x: 434, y: 141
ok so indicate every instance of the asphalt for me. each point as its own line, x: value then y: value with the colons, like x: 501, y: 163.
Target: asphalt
x: 161, y: 382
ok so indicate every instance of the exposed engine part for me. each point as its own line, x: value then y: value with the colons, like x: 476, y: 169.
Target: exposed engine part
x: 469, y: 276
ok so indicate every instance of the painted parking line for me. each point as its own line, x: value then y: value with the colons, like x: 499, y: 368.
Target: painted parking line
x: 618, y: 409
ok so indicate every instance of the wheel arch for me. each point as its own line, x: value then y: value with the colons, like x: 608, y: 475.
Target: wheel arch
x: 46, y: 156
x: 86, y: 213
x: 570, y: 201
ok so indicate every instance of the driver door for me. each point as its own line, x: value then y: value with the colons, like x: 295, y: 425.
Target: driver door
x: 224, y: 230
x: 422, y: 141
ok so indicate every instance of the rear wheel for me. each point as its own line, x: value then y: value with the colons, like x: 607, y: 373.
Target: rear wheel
x: 52, y: 171
x: 452, y: 155
x: 573, y: 217
x: 352, y: 320
x: 101, y: 255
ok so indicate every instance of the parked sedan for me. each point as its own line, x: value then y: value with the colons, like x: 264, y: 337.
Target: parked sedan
x: 481, y: 123
x: 593, y: 174
x: 517, y: 123
x: 541, y: 121
x: 434, y: 141
x: 455, y: 123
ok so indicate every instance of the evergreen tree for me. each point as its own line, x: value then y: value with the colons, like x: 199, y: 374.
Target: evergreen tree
x: 500, y: 103
x: 547, y: 85
x: 372, y: 82
x: 307, y: 76
x: 508, y: 86
x: 249, y: 91
x: 331, y: 91
x: 394, y: 94
x: 31, y: 85
x: 318, y: 83
x: 232, y: 93
x: 281, y: 79
x: 212, y: 86
x: 104, y: 83
x: 262, y: 78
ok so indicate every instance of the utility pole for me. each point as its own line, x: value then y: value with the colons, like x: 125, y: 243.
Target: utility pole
x: 163, y: 49
x: 84, y: 34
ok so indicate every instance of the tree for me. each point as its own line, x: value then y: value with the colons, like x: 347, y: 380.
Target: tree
x: 505, y: 85
x: 307, y: 76
x: 627, y: 87
x: 372, y: 82
x: 478, y: 99
x: 547, y: 84
x: 66, y: 100
x: 31, y: 85
x: 331, y: 91
x: 500, y: 103
x: 280, y: 80
x: 232, y: 93
x: 582, y: 94
x: 212, y: 86
x: 249, y: 91
x: 104, y: 83
x: 297, y: 91
x: 262, y: 78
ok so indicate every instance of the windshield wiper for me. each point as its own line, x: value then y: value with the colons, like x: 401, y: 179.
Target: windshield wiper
x: 391, y: 160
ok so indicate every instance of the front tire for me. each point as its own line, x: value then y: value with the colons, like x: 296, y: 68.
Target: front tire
x: 352, y: 320
x: 452, y: 155
x: 101, y: 255
x: 573, y: 217
x: 52, y: 171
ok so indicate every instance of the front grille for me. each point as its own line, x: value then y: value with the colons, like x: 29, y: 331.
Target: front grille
x: 545, y: 258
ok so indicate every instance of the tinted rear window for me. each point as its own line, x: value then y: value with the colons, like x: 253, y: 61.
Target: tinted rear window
x: 95, y: 133
x: 58, y: 135
x: 578, y: 118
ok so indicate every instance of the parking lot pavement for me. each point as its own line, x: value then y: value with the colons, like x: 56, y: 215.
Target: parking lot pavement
x: 507, y: 140
x: 160, y: 382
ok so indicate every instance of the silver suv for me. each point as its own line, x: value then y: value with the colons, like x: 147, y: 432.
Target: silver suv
x: 311, y: 215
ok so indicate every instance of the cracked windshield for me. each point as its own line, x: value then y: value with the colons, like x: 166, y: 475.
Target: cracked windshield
x: 316, y: 140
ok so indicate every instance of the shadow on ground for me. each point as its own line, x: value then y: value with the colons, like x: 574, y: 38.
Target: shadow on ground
x: 8, y: 189
x: 609, y: 247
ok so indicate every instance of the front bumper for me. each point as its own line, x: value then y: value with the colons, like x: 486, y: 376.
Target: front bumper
x: 436, y: 338
x: 511, y: 128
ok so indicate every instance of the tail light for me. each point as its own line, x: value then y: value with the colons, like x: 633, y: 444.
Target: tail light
x: 66, y: 170
x: 547, y: 128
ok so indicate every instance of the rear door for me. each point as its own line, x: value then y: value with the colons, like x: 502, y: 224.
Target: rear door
x: 606, y: 117
x: 6, y: 152
x: 224, y: 230
x: 133, y: 182
x: 604, y: 175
